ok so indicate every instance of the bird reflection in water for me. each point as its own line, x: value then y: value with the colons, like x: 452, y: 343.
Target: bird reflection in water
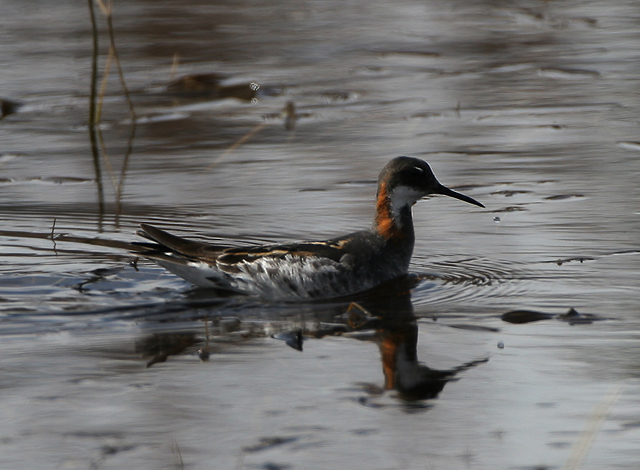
x: 157, y: 347
x: 396, y: 333
x: 386, y: 318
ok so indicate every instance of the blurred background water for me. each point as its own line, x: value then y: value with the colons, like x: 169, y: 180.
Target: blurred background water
x: 265, y: 122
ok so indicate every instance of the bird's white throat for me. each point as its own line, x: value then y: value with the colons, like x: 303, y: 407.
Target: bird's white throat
x: 403, y: 196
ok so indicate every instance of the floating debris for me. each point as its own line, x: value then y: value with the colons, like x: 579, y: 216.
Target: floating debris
x: 336, y: 96
x: 525, y: 316
x: 8, y: 107
x: 561, y: 197
x: 469, y: 327
x: 274, y: 466
x: 199, y: 83
x: 511, y: 209
x: 528, y: 316
x: 268, y: 443
x: 97, y: 275
x: 629, y: 145
x: 62, y: 180
x: 204, y: 354
x: 574, y: 318
x: 209, y: 86
x: 293, y: 339
x: 581, y: 259
x: 552, y: 126
x: 510, y: 192
x: 414, y: 53
x: 289, y: 114
x: 568, y: 74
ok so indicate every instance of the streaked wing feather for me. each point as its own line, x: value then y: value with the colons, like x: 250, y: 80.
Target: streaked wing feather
x: 188, y: 248
x: 327, y: 249
x: 172, y: 249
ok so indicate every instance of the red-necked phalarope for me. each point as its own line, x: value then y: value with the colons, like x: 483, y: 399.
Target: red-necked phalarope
x: 314, y: 269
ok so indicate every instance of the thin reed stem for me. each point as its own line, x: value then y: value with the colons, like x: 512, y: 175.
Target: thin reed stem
x: 92, y: 114
x: 116, y: 57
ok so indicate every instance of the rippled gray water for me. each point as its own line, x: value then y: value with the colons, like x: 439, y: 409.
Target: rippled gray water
x: 530, y: 107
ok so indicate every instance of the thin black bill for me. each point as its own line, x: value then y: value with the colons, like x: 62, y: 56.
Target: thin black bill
x: 451, y: 193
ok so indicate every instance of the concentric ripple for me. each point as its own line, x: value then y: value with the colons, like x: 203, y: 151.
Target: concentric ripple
x: 479, y: 281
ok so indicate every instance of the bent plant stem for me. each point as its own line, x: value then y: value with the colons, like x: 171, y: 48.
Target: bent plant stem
x: 103, y: 147
x: 237, y: 144
x: 53, y: 236
x: 132, y: 112
x: 113, y: 57
x: 92, y: 114
x: 288, y: 113
x: 103, y: 86
x: 174, y: 66
x: 123, y: 172
x: 112, y: 41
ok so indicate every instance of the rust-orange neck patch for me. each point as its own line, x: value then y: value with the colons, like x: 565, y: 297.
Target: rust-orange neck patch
x: 385, y: 223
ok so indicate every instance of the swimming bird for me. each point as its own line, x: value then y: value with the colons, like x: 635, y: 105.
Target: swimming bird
x: 333, y: 268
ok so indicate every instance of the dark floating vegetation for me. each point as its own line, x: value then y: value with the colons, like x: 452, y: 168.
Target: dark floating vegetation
x: 562, y: 197
x: 209, y: 86
x: 268, y: 443
x: 293, y: 339
x: 8, y: 107
x: 525, y: 316
x: 529, y: 316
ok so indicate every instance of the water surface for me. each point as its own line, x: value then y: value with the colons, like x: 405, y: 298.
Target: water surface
x: 531, y: 108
